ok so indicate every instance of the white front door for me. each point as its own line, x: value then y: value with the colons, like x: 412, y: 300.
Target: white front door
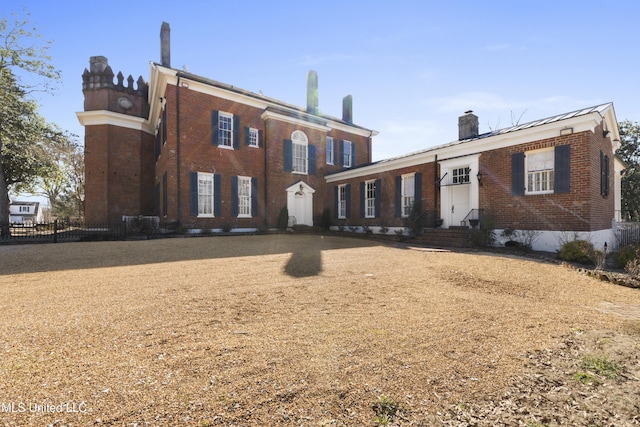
x: 459, y: 203
x: 300, y: 204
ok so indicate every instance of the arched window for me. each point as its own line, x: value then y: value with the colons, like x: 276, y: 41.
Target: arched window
x: 300, y: 151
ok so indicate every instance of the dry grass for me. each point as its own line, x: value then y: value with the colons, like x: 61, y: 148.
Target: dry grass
x: 276, y: 330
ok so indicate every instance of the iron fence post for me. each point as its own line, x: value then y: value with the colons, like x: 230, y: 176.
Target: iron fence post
x: 55, y: 231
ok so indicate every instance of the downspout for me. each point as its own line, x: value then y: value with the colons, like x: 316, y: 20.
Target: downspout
x: 178, y: 149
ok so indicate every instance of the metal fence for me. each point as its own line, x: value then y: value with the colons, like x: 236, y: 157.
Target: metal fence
x: 627, y: 233
x: 70, y: 231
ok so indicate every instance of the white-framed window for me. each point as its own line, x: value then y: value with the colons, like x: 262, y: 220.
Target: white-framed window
x: 225, y: 129
x: 300, y: 152
x: 330, y: 149
x: 342, y: 201
x: 23, y: 209
x: 205, y: 194
x: 539, y: 166
x: 370, y: 199
x: 347, y: 161
x: 244, y: 197
x: 253, y: 137
x: 461, y: 175
x: 408, y: 193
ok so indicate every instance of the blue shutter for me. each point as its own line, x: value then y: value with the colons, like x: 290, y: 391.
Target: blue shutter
x: 397, y: 205
x: 363, y: 189
x: 214, y: 127
x: 288, y: 155
x: 348, y: 197
x: 378, y: 196
x: 353, y: 154
x: 234, y: 196
x: 417, y: 187
x: 335, y: 202
x: 334, y: 151
x: 311, y: 153
x: 254, y: 196
x: 236, y: 131
x: 217, y: 195
x: 193, y: 193
x: 562, y: 169
x: 247, y: 139
x: 517, y: 174
x: 260, y: 138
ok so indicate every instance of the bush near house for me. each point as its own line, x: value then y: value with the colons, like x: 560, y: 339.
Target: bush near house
x: 580, y: 251
x: 625, y: 254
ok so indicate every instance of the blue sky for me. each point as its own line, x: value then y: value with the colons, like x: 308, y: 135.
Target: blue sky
x: 412, y: 67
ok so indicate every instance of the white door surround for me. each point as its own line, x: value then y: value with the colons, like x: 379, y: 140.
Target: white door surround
x: 300, y: 204
x: 456, y: 200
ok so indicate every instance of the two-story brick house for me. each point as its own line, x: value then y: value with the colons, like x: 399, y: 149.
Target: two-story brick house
x: 205, y: 155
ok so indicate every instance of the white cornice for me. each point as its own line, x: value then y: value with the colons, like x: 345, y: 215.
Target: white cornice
x: 104, y: 117
x: 162, y: 76
x: 472, y: 147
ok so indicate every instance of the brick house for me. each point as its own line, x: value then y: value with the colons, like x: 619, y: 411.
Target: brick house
x: 205, y: 155
x: 558, y: 176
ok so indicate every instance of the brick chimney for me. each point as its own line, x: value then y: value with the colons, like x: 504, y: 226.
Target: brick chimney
x: 467, y: 126
x: 312, y: 92
x: 347, y: 109
x: 165, y: 45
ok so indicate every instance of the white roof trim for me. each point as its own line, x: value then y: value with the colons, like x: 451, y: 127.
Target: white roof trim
x: 104, y: 117
x: 581, y: 123
x: 162, y: 76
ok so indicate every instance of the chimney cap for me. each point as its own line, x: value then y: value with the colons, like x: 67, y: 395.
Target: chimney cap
x: 468, y: 112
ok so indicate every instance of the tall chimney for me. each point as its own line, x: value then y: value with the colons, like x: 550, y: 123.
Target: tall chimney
x: 467, y: 126
x: 312, y: 92
x: 165, y: 45
x: 347, y: 109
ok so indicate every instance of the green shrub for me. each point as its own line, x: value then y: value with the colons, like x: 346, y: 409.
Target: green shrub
x: 283, y: 219
x: 625, y: 254
x: 325, y: 220
x: 484, y: 236
x: 580, y: 251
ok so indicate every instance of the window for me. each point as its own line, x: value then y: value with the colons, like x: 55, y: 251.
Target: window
x: 253, y: 137
x: 461, y: 175
x: 408, y: 194
x: 205, y: 194
x: 342, y: 201
x: 244, y: 196
x: 225, y: 129
x: 540, y: 171
x: 347, y: 154
x: 24, y: 209
x: 370, y: 199
x: 329, y: 150
x: 300, y: 153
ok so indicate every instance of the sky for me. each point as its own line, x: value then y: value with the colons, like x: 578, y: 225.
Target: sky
x: 412, y: 67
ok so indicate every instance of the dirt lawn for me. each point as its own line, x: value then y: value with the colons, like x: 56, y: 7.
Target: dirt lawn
x: 308, y: 330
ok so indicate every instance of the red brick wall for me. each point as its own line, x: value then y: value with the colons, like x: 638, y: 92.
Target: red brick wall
x: 429, y: 197
x: 266, y: 163
x: 581, y: 209
x: 118, y: 161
